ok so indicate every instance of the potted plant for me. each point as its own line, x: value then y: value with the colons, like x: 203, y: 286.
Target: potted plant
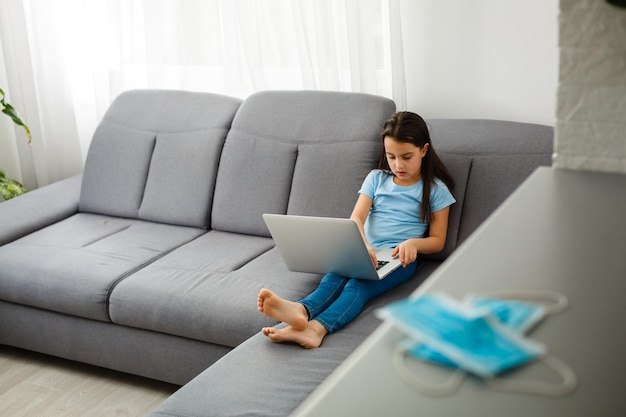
x: 10, y: 188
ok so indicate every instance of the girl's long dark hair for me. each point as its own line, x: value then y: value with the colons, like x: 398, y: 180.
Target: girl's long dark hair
x: 411, y: 128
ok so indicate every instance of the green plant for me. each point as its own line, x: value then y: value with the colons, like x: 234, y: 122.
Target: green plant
x: 10, y: 188
x: 12, y: 113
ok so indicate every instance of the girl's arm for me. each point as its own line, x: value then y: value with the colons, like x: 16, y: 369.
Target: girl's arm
x: 436, y: 240
x: 359, y: 215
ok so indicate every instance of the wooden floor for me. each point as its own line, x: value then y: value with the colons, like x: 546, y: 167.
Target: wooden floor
x: 34, y: 385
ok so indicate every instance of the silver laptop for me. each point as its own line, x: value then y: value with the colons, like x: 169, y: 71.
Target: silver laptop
x: 325, y: 244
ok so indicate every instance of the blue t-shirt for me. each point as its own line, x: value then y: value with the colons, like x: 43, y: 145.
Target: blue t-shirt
x: 395, y: 213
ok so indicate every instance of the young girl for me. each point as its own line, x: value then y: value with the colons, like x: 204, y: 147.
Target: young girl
x: 403, y: 205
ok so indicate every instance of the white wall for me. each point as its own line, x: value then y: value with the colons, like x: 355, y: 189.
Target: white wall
x: 493, y: 59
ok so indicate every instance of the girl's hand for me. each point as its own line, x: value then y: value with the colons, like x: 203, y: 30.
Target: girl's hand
x: 406, y: 251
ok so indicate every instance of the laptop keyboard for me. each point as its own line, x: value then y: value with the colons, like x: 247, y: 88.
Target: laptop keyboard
x: 381, y: 264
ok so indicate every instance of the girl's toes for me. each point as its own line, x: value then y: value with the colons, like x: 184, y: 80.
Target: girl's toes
x: 268, y: 331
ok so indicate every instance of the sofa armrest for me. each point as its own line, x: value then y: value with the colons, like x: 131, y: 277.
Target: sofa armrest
x: 39, y: 208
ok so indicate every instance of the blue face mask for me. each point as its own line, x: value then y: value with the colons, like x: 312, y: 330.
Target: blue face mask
x: 482, y: 335
x: 459, y: 336
x: 516, y: 315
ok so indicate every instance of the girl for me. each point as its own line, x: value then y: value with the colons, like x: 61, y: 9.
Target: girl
x: 403, y: 205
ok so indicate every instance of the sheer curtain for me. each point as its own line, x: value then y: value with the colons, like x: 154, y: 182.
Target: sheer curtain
x: 67, y: 60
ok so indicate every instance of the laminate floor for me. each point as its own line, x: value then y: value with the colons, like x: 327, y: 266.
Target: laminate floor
x: 35, y: 385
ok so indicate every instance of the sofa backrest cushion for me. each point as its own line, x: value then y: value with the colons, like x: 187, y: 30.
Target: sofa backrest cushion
x: 155, y: 154
x: 458, y: 166
x: 297, y: 152
x: 503, y: 154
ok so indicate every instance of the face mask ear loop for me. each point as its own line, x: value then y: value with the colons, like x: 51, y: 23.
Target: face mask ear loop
x: 557, y: 302
x: 538, y: 387
x: 434, y: 390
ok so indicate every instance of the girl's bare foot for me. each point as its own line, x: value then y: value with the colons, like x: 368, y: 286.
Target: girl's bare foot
x: 309, y: 338
x: 290, y: 312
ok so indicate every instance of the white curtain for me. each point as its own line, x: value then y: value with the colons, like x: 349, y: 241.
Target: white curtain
x: 66, y: 60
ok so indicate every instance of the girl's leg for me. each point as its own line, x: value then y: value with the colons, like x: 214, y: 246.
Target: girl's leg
x: 329, y: 288
x: 297, y: 313
x: 308, y: 334
x: 355, y: 294
x: 310, y: 337
x: 290, y: 312
x: 338, y: 300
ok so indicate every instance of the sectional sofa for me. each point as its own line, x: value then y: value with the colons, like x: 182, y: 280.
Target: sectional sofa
x: 149, y: 262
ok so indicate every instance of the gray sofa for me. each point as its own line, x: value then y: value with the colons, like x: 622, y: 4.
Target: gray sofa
x: 149, y: 262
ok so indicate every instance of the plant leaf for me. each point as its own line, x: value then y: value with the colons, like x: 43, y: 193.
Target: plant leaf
x: 10, y: 188
x: 10, y: 111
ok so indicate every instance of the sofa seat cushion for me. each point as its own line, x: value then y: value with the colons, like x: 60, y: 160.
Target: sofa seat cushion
x: 275, y: 378
x: 72, y: 266
x: 207, y: 289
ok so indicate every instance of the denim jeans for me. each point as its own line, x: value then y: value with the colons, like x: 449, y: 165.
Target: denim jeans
x: 338, y: 300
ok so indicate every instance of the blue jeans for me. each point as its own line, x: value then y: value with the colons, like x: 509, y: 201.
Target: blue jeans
x: 338, y: 300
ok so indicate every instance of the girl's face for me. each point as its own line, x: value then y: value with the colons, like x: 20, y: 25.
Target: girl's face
x: 405, y: 160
